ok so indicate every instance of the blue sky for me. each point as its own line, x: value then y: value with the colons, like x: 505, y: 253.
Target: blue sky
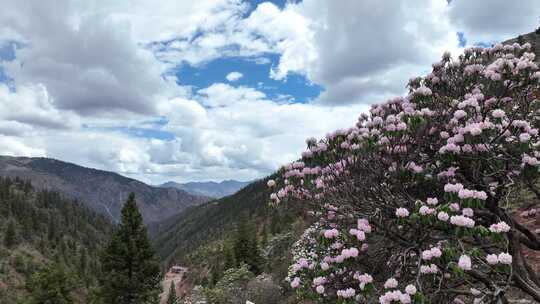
x: 255, y: 75
x: 152, y: 96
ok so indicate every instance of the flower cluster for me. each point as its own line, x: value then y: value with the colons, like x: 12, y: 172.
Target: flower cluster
x: 416, y: 191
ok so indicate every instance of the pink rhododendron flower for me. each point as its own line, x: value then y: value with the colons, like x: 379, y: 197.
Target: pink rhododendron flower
x: 402, y: 212
x: 391, y: 283
x: 499, y: 227
x: 465, y: 262
x: 505, y: 258
x: 492, y: 259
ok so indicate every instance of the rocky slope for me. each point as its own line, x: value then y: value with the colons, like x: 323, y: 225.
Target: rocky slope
x: 102, y: 191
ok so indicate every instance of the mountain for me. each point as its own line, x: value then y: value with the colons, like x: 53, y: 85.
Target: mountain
x: 210, y: 189
x: 102, y: 191
x: 193, y: 227
x: 40, y: 228
x: 198, y: 237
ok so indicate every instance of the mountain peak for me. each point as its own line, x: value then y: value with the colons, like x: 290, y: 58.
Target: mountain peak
x: 208, y: 188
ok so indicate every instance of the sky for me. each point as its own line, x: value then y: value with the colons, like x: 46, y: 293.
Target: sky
x: 217, y: 89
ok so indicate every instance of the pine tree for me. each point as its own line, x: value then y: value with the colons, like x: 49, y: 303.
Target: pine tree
x: 83, y: 261
x: 254, y: 259
x: 230, y: 261
x: 51, y: 232
x: 172, y: 299
x: 10, y: 238
x: 246, y: 248
x: 264, y: 239
x: 51, y: 285
x: 241, y: 247
x: 130, y: 270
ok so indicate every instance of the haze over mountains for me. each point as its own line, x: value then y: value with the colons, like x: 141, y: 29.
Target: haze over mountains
x: 211, y: 189
x: 102, y: 191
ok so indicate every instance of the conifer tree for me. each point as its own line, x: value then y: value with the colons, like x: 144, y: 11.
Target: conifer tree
x: 10, y: 238
x: 254, y: 259
x: 230, y: 261
x: 246, y: 248
x: 83, y: 261
x: 241, y: 248
x: 264, y: 236
x: 51, y: 285
x: 130, y: 270
x: 172, y: 299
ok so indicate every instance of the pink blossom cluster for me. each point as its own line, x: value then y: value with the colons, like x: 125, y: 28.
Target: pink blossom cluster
x: 429, y: 269
x: 402, y: 212
x: 502, y: 258
x: 499, y: 227
x: 395, y: 296
x: 462, y: 221
x: 426, y: 169
x: 429, y: 254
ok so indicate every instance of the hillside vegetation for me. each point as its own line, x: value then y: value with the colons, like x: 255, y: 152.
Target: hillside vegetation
x: 205, y: 239
x: 44, y: 238
x: 102, y: 191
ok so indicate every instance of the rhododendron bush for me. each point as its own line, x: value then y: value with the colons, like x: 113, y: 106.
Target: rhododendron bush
x: 411, y: 204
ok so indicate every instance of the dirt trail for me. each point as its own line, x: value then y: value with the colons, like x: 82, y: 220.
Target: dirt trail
x: 175, y: 277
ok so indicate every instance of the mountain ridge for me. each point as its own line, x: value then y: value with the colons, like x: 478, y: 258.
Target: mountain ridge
x: 100, y: 190
x: 209, y: 188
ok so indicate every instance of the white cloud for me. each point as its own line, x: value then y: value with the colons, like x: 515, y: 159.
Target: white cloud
x: 494, y: 20
x: 221, y: 94
x: 107, y: 67
x: 32, y: 106
x: 234, y: 76
x: 362, y: 51
x: 12, y: 146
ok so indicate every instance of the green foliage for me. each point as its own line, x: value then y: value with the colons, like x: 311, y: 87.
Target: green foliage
x: 26, y: 215
x: 230, y: 260
x: 131, y: 272
x: 10, y: 238
x: 239, y: 285
x: 246, y: 247
x: 51, y: 285
x: 172, y: 299
x: 230, y: 288
x: 197, y: 226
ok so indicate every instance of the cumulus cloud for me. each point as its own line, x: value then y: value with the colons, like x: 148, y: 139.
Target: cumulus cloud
x: 251, y: 133
x: 83, y: 73
x: 362, y: 51
x: 88, y: 63
x: 489, y: 21
x: 234, y: 76
x: 12, y: 146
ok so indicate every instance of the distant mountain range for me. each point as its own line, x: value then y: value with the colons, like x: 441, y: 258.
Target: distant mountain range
x: 211, y: 189
x: 102, y: 191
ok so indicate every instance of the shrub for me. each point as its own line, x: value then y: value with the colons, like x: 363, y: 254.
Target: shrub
x: 411, y: 203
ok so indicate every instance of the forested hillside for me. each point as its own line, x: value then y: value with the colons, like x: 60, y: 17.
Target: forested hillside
x: 47, y: 242
x: 214, y: 240
x: 101, y: 191
x: 199, y: 225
